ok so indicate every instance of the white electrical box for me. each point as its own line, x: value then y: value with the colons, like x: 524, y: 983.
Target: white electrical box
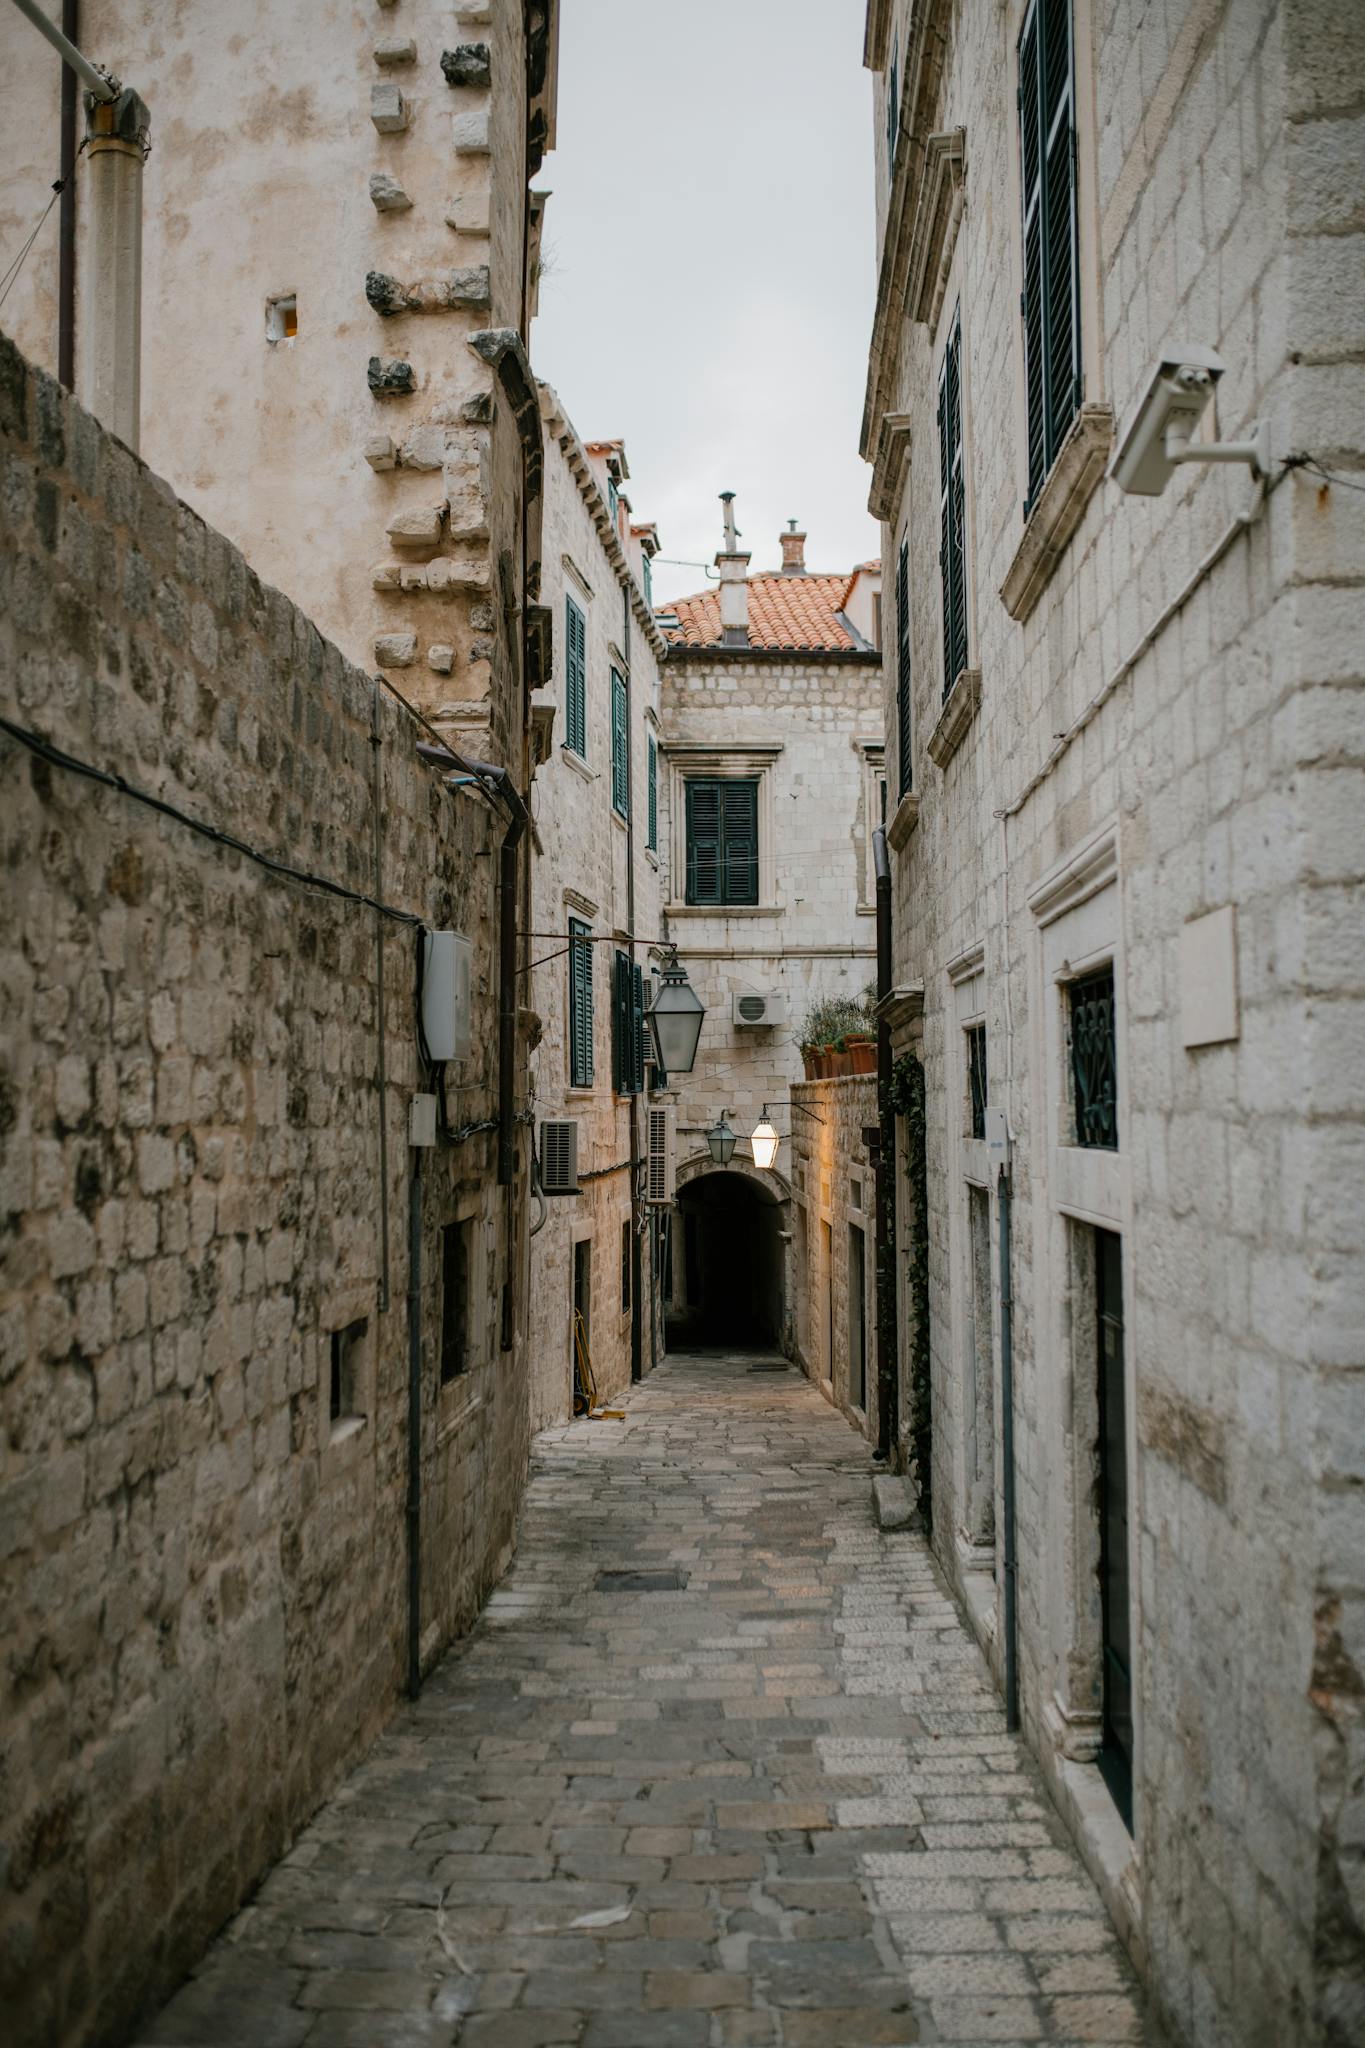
x: 446, y: 968
x: 422, y: 1120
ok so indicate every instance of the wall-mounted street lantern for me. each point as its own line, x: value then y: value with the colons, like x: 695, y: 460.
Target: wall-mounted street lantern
x: 765, y: 1142
x: 675, y: 1018
x: 720, y: 1140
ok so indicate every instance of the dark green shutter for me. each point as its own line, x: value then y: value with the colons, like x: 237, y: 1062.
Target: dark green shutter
x: 1050, y: 303
x: 653, y: 840
x: 722, y: 841
x: 952, y: 509
x: 637, y: 1031
x: 703, y: 842
x: 620, y: 747
x: 580, y: 1005
x: 627, y: 1027
x: 893, y: 108
x: 575, y: 679
x: 903, y: 669
x: 739, y: 841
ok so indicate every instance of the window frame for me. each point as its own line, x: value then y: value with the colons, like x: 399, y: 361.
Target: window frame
x: 723, y: 785
x: 1050, y: 209
x: 456, y: 1356
x: 575, y: 677
x: 579, y: 1036
x: 620, y: 745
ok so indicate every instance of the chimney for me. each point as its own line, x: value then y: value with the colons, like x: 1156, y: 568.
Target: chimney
x: 793, y: 551
x: 734, y: 585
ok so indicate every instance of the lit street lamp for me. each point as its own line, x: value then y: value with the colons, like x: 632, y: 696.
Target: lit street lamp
x: 675, y: 1018
x: 720, y: 1140
x: 764, y: 1142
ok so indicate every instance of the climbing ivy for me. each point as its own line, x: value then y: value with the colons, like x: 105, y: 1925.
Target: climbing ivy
x: 906, y: 1098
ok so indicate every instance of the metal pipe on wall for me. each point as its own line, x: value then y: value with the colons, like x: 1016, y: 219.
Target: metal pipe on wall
x: 1007, y: 1459
x: 66, y: 217
x: 887, y: 1391
x: 414, y: 1506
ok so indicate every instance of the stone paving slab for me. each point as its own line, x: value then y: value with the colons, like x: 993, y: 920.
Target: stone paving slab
x: 774, y: 1807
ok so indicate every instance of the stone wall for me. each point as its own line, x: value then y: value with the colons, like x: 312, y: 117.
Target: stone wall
x: 834, y: 1192
x: 1210, y: 764
x: 204, y: 1574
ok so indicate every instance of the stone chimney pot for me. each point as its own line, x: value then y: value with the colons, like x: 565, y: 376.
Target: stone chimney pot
x: 733, y: 566
x: 793, y: 551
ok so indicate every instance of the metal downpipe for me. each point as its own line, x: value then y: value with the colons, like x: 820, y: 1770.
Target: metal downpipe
x: 1007, y: 1459
x: 415, y: 1427
x: 887, y: 1391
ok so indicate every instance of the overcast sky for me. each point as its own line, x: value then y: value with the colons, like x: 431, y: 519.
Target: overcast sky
x: 709, y: 265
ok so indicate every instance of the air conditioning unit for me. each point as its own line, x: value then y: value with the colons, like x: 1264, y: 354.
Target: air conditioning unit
x: 661, y: 1164
x: 753, y: 1009
x: 446, y: 961
x: 559, y: 1156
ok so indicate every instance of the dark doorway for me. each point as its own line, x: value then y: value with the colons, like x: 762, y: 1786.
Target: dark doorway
x: 580, y: 1333
x: 1116, y: 1752
x: 728, y: 1288
x: 857, y: 1319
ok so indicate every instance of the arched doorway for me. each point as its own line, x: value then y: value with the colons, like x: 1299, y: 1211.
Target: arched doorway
x: 727, y: 1277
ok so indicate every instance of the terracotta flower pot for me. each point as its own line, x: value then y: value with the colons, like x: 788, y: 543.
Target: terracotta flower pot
x: 864, y: 1053
x: 840, y: 1063
x: 810, y: 1060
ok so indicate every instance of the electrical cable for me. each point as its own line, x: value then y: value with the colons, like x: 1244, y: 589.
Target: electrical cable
x: 1328, y: 476
x: 10, y: 276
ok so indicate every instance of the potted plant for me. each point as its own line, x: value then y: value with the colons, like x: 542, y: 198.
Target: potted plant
x: 828, y: 1022
x: 861, y: 1040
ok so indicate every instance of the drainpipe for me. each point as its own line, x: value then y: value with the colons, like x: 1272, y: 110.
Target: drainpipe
x: 636, y: 1331
x: 887, y: 1418
x: 415, y: 1428
x: 116, y: 135
x: 1007, y: 1458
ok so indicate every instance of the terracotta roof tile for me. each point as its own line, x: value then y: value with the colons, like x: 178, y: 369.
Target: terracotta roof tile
x: 784, y: 611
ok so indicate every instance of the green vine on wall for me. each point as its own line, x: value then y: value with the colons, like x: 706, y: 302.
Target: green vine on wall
x: 907, y: 1100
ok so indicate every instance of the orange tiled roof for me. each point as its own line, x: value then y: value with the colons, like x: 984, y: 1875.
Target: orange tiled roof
x: 784, y: 611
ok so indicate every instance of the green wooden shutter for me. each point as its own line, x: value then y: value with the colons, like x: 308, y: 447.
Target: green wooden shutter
x: 580, y: 1005
x: 739, y: 841
x: 637, y: 1031
x: 620, y: 747
x: 903, y: 669
x: 1050, y: 303
x: 575, y: 678
x: 952, y: 510
x: 653, y: 758
x: 703, y: 842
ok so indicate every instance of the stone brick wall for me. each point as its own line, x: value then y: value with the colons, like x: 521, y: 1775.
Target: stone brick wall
x: 203, y: 1577
x: 833, y: 1187
x: 1220, y: 768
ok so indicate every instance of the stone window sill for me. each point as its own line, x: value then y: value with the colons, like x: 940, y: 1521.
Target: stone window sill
x: 652, y: 857
x: 575, y: 760
x: 904, y: 821
x: 1067, y: 490
x: 959, y: 709
x: 719, y: 910
x: 621, y: 824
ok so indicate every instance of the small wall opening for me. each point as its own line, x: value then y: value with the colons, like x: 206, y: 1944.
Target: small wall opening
x: 727, y: 1272
x: 282, y: 318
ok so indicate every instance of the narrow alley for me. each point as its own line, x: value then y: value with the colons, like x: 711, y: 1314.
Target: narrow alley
x: 719, y: 1765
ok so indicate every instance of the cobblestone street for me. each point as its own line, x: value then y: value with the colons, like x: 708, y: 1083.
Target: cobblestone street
x: 774, y: 1805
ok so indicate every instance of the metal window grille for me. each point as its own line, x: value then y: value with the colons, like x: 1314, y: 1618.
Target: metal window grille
x: 977, y: 1077
x: 1050, y: 301
x: 1094, y: 1062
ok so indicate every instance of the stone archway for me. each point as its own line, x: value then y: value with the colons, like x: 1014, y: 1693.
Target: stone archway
x: 729, y: 1282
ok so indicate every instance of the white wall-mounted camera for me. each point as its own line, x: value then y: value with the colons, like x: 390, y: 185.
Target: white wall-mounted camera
x: 1160, y: 434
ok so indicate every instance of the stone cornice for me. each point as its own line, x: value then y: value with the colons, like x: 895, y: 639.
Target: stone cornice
x: 923, y: 60
x: 1057, y: 512
x: 938, y: 214
x: 901, y: 1006
x: 876, y: 32
x: 678, y: 651
x: 904, y: 822
x: 561, y: 428
x: 894, y: 438
x: 959, y: 709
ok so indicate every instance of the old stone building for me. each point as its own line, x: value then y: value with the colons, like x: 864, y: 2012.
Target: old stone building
x: 1124, y: 746
x: 595, y: 919
x: 770, y: 784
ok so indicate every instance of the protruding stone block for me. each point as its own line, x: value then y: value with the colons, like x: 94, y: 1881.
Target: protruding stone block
x: 441, y: 658
x: 385, y: 294
x: 478, y: 410
x: 468, y: 213
x: 390, y: 377
x: 387, y: 194
x: 893, y: 1501
x: 447, y: 574
x: 470, y: 132
x: 418, y: 527
x: 388, y: 108
x: 413, y: 576
x: 481, y: 618
x: 424, y: 448
x: 395, y: 650
x: 474, y: 10
x: 380, y: 452
x: 393, y: 50
x: 468, y: 64
x: 471, y: 286
x: 385, y: 576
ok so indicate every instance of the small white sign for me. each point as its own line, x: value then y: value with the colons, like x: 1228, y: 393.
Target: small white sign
x: 1208, y: 979
x: 422, y: 1120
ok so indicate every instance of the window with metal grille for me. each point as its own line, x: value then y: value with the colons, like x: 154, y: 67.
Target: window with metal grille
x: 652, y: 842
x: 722, y: 841
x: 976, y: 1077
x: 620, y: 746
x: 580, y: 1004
x: 575, y: 678
x: 1094, y: 1061
x: 455, y: 1243
x: 952, y: 508
x: 1050, y: 301
x: 903, y: 670
x: 628, y: 1027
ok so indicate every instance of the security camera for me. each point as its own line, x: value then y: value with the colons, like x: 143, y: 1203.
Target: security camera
x: 1160, y: 434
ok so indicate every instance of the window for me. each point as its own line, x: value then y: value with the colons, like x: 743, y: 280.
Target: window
x: 348, y: 1353
x: 652, y: 842
x: 976, y: 1078
x: 620, y: 746
x: 625, y: 1267
x: 905, y: 770
x: 1094, y: 1062
x: 647, y: 578
x: 952, y: 509
x: 893, y: 107
x: 455, y: 1244
x: 580, y: 1004
x: 281, y: 318
x: 628, y: 1027
x: 613, y: 500
x: 722, y: 841
x: 575, y: 679
x: 1050, y: 302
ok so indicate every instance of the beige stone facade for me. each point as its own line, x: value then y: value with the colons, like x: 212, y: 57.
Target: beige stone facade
x: 834, y: 1226
x: 1143, y: 763
x: 598, y: 866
